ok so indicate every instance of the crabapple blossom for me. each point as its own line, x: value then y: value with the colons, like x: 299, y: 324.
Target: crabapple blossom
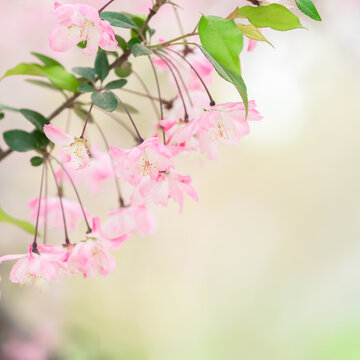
x: 133, y: 219
x: 92, y: 256
x: 80, y: 22
x: 146, y: 159
x: 166, y: 186
x: 224, y: 122
x: 38, y: 268
x: 75, y: 148
x: 50, y: 209
x: 92, y: 176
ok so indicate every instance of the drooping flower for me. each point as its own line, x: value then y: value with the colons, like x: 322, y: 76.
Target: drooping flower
x: 51, y: 210
x: 222, y: 123
x: 133, y: 219
x: 80, y: 22
x: 166, y: 186
x: 37, y: 268
x: 92, y: 255
x: 146, y: 159
x: 93, y: 176
x: 74, y: 147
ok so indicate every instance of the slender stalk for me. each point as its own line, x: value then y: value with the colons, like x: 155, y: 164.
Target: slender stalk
x: 180, y: 77
x: 170, y: 42
x: 120, y: 122
x: 46, y: 204
x: 34, y: 244
x: 116, y: 180
x: 67, y: 241
x: 86, y: 121
x: 160, y: 98
x: 75, y: 190
x: 212, y: 101
x: 146, y: 89
x: 105, y: 6
x: 140, y: 139
x: 165, y: 102
x: 186, y: 115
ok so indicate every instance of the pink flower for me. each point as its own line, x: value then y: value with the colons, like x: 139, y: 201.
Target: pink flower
x: 92, y: 176
x: 78, y: 23
x: 133, y: 219
x: 51, y: 210
x: 166, y: 186
x: 74, y: 147
x: 224, y: 122
x: 37, y: 268
x: 146, y: 159
x: 92, y: 255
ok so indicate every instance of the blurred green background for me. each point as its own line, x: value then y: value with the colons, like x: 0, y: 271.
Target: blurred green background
x: 266, y: 265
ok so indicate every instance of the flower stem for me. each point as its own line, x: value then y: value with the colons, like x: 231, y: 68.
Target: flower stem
x: 86, y: 121
x: 117, y: 184
x: 160, y: 98
x: 76, y: 192
x: 67, y: 241
x: 186, y: 115
x: 34, y: 244
x: 105, y: 6
x: 212, y: 102
x: 140, y: 139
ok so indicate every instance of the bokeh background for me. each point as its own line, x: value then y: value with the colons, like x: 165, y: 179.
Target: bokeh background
x: 265, y: 266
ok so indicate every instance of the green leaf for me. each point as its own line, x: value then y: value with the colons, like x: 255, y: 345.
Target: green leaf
x: 275, y: 16
x: 118, y: 19
x: 43, y: 84
x: 139, y: 21
x: 19, y: 140
x: 121, y: 42
x: 2, y: 115
x: 84, y: 88
x: 105, y: 100
x: 41, y: 141
x: 61, y: 78
x: 252, y: 32
x: 124, y: 70
x: 36, y: 161
x: 85, y: 72
x: 116, y: 84
x: 309, y: 9
x: 222, y: 39
x: 5, y: 107
x: 102, y: 67
x: 140, y: 50
x: 26, y: 226
x: 46, y: 60
x: 35, y: 118
x: 25, y: 69
x: 229, y: 75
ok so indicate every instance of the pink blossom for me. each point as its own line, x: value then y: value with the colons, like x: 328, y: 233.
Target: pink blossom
x: 93, y: 176
x: 133, y: 219
x: 146, y: 159
x: 37, y: 268
x: 74, y: 147
x: 224, y: 122
x: 92, y: 255
x: 80, y: 22
x: 166, y: 186
x: 51, y: 210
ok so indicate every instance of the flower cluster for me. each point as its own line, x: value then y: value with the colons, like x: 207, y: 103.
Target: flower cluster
x: 191, y: 123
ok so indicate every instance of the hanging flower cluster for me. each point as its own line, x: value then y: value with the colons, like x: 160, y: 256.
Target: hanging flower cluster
x: 188, y: 123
